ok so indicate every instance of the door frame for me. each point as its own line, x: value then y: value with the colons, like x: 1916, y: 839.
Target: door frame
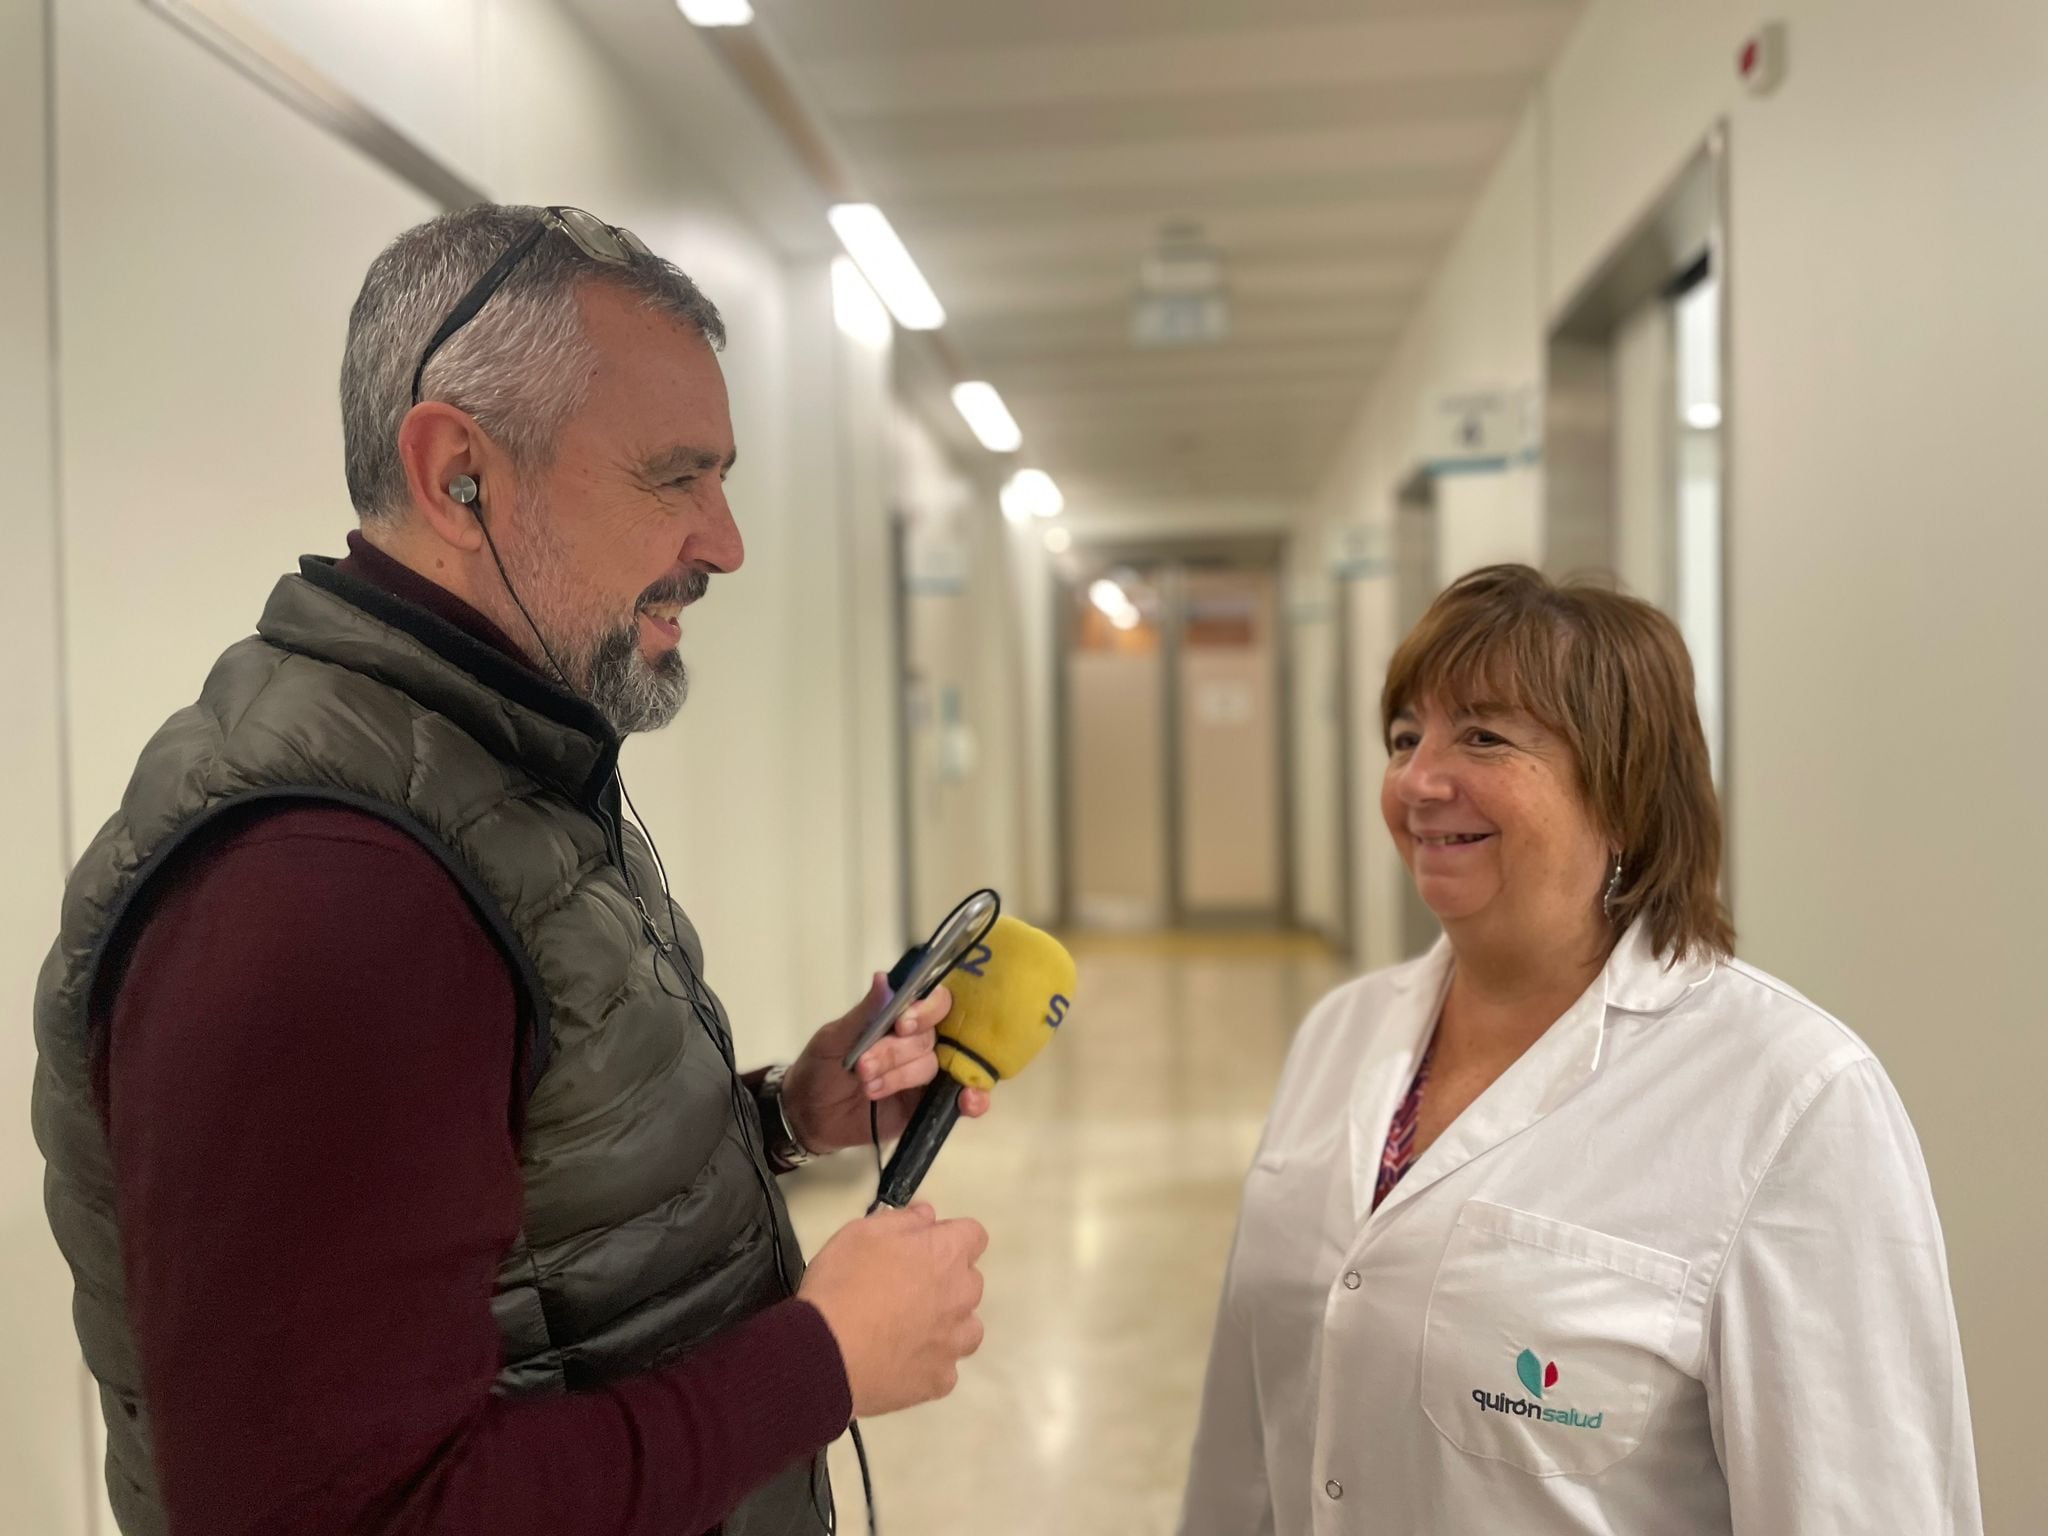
x: 1685, y: 226
x: 1170, y: 557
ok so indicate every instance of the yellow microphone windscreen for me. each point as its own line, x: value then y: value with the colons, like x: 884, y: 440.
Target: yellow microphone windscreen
x: 1010, y: 993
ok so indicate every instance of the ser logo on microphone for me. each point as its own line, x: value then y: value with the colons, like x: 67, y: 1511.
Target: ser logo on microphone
x: 976, y: 963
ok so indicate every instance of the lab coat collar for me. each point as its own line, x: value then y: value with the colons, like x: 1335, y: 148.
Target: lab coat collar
x: 1635, y: 980
x: 1427, y: 972
x: 1639, y: 980
x: 1393, y: 1052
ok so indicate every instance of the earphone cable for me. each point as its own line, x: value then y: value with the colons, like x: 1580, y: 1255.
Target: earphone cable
x: 695, y: 997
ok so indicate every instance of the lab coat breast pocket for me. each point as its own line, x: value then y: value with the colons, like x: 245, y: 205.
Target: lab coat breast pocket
x: 1546, y: 1343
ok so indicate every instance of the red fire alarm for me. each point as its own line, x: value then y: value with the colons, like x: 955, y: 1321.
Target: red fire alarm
x: 1760, y: 62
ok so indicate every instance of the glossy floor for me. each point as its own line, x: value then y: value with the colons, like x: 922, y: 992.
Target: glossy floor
x: 1108, y: 1177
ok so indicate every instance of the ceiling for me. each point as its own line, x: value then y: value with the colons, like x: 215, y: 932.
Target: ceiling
x: 1029, y: 153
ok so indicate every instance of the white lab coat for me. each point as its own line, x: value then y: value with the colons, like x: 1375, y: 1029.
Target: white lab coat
x: 1694, y: 1214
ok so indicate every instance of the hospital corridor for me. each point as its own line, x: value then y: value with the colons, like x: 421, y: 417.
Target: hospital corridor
x: 1055, y: 768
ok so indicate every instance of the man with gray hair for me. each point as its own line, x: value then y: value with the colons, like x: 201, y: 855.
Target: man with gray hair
x: 394, y: 1138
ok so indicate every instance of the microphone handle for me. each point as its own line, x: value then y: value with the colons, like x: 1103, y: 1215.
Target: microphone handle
x: 936, y: 1115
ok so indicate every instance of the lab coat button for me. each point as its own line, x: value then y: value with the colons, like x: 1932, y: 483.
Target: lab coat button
x: 1351, y: 1280
x: 1334, y: 1489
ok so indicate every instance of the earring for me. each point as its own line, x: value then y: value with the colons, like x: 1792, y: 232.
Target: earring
x: 1613, y: 886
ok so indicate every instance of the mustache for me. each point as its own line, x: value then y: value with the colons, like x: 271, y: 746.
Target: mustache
x: 676, y: 589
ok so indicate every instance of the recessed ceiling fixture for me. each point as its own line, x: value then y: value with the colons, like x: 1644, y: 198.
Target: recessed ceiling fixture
x: 1031, y: 493
x: 1182, y: 300
x: 885, y: 262
x: 716, y: 13
x: 984, y: 411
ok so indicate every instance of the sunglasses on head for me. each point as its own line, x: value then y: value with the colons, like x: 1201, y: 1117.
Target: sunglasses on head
x: 604, y: 243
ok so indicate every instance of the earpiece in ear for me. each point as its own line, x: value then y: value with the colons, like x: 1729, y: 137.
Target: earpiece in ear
x: 463, y: 489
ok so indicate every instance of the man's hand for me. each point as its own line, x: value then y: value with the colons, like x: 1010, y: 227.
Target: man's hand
x: 900, y: 1290
x: 827, y: 1105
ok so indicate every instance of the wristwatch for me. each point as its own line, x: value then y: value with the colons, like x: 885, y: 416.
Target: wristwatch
x: 785, y: 1151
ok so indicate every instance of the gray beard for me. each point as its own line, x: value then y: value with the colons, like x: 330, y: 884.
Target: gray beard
x: 614, y: 678
x: 629, y: 691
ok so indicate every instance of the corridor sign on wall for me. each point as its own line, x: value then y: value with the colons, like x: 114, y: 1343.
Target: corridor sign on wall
x: 1473, y: 432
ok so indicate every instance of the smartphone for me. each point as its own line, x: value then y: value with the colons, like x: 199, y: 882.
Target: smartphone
x: 918, y: 972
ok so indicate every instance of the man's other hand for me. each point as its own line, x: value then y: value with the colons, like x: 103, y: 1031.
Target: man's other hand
x: 827, y: 1105
x: 900, y: 1292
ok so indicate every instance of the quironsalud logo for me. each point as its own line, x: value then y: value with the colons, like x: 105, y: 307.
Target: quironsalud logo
x: 1534, y: 1373
x: 1538, y: 1376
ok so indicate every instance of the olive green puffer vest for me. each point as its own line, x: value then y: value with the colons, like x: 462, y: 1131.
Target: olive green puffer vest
x: 647, y: 1228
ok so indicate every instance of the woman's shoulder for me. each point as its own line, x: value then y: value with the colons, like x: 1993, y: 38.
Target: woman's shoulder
x: 1749, y: 1000
x: 1769, y: 1034
x: 1810, y: 1097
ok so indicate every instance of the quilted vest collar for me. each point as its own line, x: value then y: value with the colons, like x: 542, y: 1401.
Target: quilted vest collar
x: 513, y: 712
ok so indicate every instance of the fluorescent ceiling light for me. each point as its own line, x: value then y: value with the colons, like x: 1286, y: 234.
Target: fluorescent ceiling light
x: 1058, y: 541
x: 1705, y: 416
x: 1031, y: 493
x: 1109, y: 596
x: 716, y: 13
x: 1114, y: 603
x: 854, y: 305
x: 984, y: 411
x: 884, y: 262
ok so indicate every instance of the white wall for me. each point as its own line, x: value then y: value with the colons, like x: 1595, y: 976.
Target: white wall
x: 837, y: 727
x: 976, y: 785
x: 871, y: 689
x: 42, y: 1429
x: 1478, y: 329
x: 1486, y: 518
x: 210, y: 244
x: 1627, y: 104
x: 1033, y: 660
x: 201, y: 446
x: 1377, y: 873
x: 1887, y: 710
x: 1311, y: 620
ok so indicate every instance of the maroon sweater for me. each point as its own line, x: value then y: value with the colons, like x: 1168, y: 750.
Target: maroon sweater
x: 309, y: 1082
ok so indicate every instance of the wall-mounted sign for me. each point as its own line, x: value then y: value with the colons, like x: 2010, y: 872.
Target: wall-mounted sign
x: 1359, y: 549
x: 1474, y: 430
x: 1223, y: 703
x: 935, y: 563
